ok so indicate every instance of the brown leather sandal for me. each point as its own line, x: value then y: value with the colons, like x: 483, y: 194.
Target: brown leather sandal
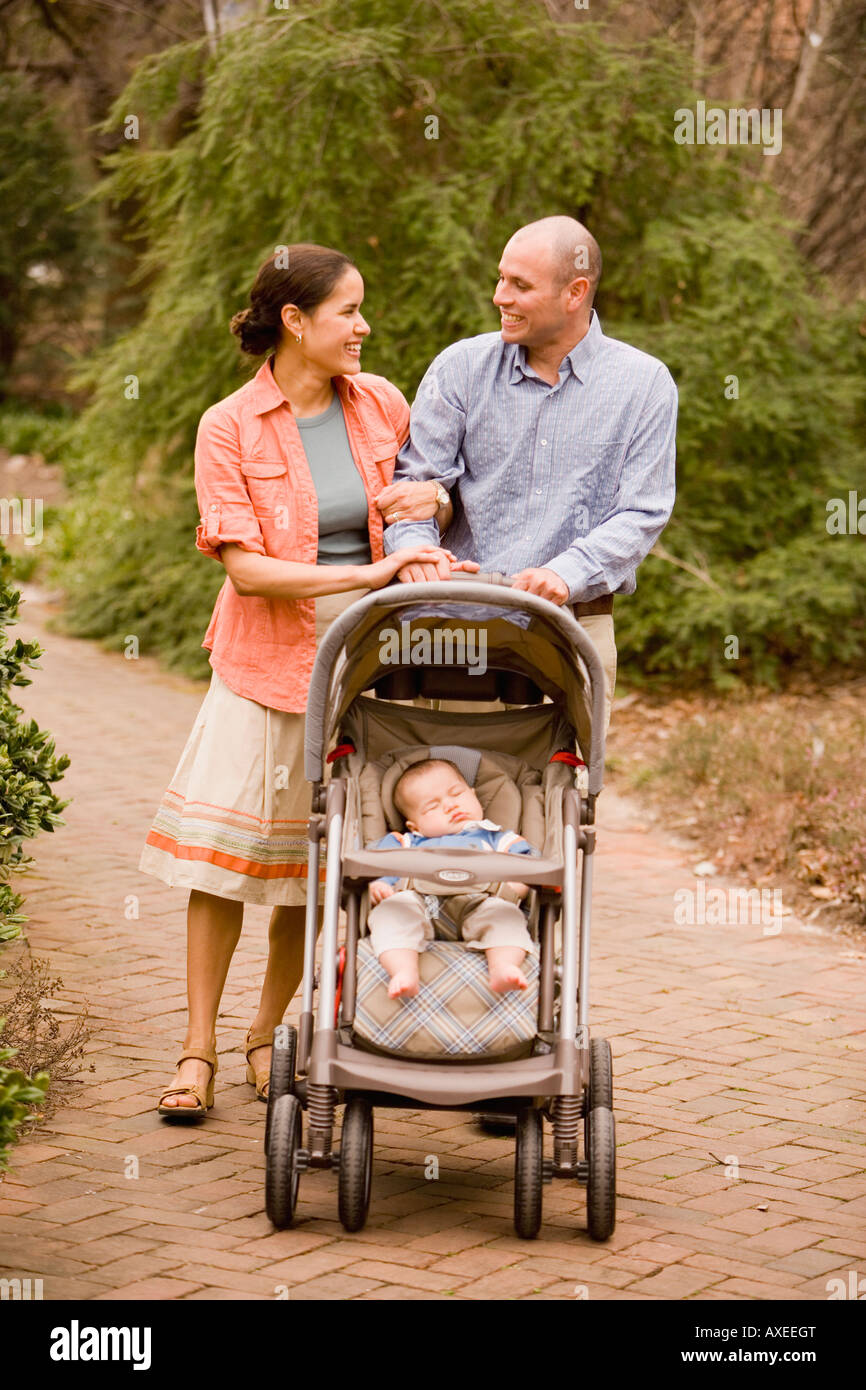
x: 259, y: 1079
x: 204, y: 1097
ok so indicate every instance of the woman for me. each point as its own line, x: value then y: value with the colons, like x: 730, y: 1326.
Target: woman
x: 287, y: 472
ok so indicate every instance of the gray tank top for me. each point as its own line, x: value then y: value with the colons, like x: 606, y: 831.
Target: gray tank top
x: 343, y: 535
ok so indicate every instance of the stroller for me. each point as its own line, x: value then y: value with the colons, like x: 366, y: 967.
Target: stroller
x: 455, y: 1045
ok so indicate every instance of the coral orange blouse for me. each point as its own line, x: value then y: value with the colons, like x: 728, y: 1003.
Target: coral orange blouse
x: 254, y: 489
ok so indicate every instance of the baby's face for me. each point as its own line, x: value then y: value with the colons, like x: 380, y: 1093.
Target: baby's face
x: 441, y: 803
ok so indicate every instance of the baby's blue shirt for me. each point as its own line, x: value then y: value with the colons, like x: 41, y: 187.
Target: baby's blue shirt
x: 483, y: 834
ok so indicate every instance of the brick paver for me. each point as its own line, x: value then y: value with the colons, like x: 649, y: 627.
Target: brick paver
x: 738, y: 1056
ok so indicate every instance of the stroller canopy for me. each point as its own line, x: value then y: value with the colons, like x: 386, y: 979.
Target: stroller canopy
x: 473, y: 625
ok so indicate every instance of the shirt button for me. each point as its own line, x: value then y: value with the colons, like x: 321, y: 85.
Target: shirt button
x: 544, y: 441
x: 213, y: 506
x: 538, y: 489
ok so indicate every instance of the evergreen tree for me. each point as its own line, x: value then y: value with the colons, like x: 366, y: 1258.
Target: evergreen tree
x: 417, y: 138
x: 42, y: 255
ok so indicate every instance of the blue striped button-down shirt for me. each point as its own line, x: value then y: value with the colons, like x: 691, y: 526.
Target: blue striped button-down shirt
x: 577, y: 477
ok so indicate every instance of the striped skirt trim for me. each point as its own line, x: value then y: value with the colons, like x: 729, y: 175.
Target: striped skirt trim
x: 235, y: 840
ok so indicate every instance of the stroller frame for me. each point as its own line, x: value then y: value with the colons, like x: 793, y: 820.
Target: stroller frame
x: 568, y: 1077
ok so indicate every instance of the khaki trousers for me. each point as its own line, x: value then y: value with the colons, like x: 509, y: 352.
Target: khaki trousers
x: 600, y: 631
x: 405, y: 921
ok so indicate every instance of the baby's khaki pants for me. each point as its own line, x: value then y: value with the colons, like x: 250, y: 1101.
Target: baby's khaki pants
x: 405, y: 921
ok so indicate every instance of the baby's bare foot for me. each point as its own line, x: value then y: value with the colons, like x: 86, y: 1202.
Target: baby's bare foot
x: 404, y: 983
x: 506, y: 977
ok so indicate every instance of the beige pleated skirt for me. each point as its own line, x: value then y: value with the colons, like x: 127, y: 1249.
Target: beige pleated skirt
x: 233, y: 819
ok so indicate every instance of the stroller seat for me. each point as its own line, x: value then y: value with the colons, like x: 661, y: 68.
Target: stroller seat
x: 455, y: 1013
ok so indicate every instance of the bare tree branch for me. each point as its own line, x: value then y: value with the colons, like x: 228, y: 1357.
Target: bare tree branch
x: 702, y: 574
x: 818, y: 27
x: 762, y: 46
x: 113, y: 6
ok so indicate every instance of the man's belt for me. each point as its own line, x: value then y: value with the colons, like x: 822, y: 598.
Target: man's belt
x: 593, y: 606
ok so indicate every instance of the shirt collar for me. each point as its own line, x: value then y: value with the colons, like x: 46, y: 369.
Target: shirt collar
x: 267, y: 394
x: 578, y: 359
x: 467, y: 825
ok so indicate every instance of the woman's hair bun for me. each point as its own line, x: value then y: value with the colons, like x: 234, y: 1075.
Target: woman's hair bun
x: 255, y: 336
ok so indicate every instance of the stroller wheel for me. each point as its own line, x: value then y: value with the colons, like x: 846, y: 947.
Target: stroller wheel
x: 601, y: 1183
x: 600, y: 1089
x: 281, y: 1166
x: 599, y: 1133
x: 282, y: 1078
x: 356, y: 1163
x: 528, y: 1173
x: 600, y: 1074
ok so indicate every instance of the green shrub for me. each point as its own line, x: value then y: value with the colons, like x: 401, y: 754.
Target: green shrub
x: 25, y: 430
x: 28, y: 765
x: 18, y: 1095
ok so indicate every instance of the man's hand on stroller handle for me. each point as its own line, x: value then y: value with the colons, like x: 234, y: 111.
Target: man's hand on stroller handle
x: 544, y: 582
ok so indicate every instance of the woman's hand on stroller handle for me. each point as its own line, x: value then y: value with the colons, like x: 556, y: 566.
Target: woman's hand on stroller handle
x: 381, y: 572
x: 431, y: 572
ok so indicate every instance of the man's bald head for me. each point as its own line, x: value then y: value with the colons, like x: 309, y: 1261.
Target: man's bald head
x: 571, y: 250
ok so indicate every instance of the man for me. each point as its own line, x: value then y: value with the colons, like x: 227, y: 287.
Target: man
x: 559, y: 441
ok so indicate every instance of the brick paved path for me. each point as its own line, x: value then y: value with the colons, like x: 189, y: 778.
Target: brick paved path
x: 731, y: 1046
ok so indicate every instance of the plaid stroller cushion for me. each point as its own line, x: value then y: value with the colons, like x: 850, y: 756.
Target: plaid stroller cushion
x: 454, y: 1014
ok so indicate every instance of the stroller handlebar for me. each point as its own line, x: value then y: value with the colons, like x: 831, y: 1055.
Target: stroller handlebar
x: 491, y: 577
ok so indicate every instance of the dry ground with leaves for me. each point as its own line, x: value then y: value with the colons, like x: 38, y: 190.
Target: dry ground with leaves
x: 770, y: 787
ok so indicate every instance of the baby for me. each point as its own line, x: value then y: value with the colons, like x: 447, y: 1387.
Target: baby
x: 440, y: 809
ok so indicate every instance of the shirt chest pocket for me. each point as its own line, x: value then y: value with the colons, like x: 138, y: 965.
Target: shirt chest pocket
x: 267, y: 482
x: 383, y: 456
